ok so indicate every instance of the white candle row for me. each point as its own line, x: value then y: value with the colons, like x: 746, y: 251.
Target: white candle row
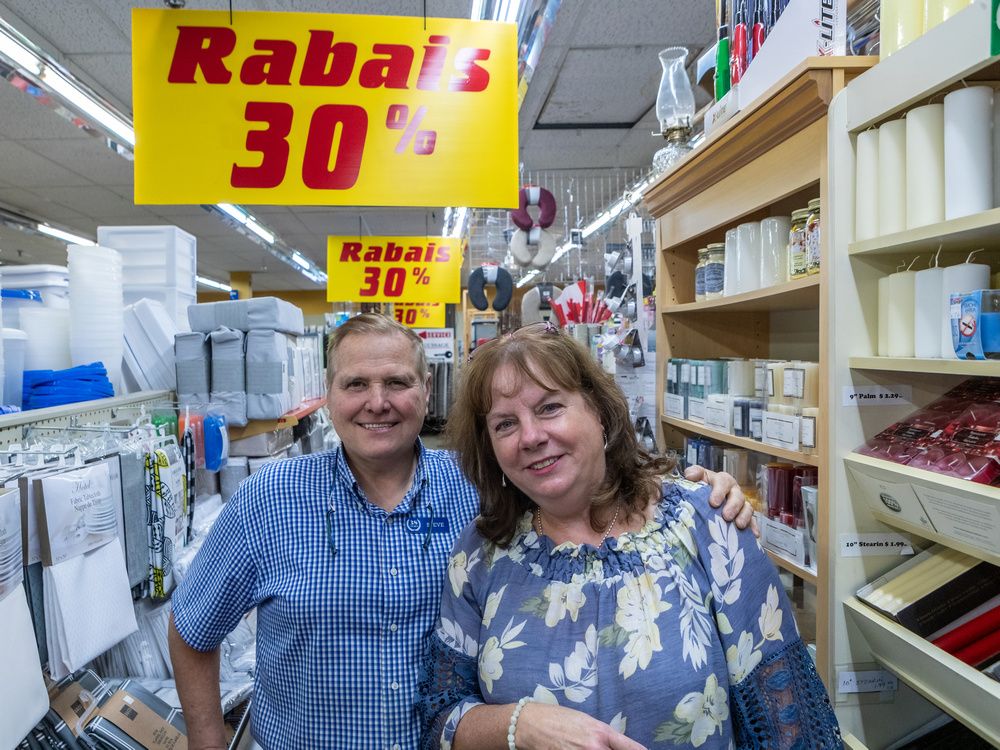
x: 902, y: 21
x: 756, y: 255
x: 940, y: 162
x: 913, y: 314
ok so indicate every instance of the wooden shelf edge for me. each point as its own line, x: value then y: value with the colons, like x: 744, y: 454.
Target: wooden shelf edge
x: 792, y: 290
x: 804, y: 573
x: 956, y: 688
x: 954, y: 234
x: 980, y: 368
x: 740, y: 442
x: 897, y: 481
x: 792, y: 104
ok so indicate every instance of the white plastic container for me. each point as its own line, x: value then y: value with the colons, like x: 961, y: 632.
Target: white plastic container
x: 51, y: 281
x: 174, y: 301
x: 154, y: 256
x: 14, y: 343
x: 12, y: 301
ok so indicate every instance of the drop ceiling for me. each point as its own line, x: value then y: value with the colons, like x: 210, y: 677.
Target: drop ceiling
x: 589, y: 110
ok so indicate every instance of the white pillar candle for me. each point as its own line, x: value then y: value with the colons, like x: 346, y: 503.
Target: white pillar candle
x: 883, y: 316
x: 924, y: 165
x: 866, y: 187
x: 900, y: 330
x: 901, y: 21
x: 927, y: 289
x: 968, y: 151
x: 730, y: 279
x: 965, y: 277
x: 996, y: 151
x: 892, y: 177
x: 774, y: 250
x: 748, y: 239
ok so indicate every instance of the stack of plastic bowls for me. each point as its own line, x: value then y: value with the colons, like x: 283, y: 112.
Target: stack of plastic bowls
x: 97, y: 323
x: 48, y: 338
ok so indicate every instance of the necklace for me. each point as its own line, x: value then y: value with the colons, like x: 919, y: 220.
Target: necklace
x: 614, y: 519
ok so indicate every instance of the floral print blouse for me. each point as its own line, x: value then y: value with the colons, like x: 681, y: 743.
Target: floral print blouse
x: 678, y: 635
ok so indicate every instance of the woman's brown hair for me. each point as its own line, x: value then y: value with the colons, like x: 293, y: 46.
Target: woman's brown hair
x: 553, y: 361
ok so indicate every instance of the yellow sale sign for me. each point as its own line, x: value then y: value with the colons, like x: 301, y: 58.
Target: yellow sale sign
x: 323, y: 109
x: 393, y: 269
x: 420, y: 314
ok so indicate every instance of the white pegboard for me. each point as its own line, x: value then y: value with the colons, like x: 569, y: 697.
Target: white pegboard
x: 13, y: 426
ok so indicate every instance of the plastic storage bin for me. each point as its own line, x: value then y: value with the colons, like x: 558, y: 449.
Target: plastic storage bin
x: 14, y: 343
x: 154, y: 256
x: 175, y: 302
x: 13, y: 300
x: 51, y: 281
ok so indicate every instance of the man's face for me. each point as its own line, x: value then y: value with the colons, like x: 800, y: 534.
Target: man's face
x: 377, y: 398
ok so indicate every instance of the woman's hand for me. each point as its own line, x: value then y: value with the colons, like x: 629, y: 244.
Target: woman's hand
x: 725, y: 487
x: 545, y: 727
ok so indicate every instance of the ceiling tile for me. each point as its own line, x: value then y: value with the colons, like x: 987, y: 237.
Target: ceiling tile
x: 69, y: 27
x: 90, y: 157
x: 110, y: 73
x: 22, y: 167
x: 25, y: 117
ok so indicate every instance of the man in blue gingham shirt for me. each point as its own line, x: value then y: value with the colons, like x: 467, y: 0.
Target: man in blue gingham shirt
x: 343, y: 554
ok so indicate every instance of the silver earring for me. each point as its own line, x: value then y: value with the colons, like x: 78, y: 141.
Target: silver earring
x: 605, y: 434
x: 503, y: 479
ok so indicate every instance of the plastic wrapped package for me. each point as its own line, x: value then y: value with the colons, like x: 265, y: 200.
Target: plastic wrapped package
x: 230, y: 476
x: 897, y: 451
x: 191, y: 354
x: 264, y: 444
x: 228, y: 394
x: 267, y: 374
x: 252, y: 314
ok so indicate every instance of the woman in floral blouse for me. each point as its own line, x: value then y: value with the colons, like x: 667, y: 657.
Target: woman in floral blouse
x: 591, y: 604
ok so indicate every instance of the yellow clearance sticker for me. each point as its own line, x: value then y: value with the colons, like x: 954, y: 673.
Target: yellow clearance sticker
x: 393, y: 269
x: 420, y: 314
x: 323, y: 109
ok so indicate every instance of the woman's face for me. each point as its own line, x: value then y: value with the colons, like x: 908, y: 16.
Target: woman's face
x: 548, y: 443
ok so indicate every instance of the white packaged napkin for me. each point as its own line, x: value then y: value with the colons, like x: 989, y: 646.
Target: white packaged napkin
x: 88, y: 607
x: 22, y: 690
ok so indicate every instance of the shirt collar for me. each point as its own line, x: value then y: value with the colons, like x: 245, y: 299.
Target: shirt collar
x: 344, y: 476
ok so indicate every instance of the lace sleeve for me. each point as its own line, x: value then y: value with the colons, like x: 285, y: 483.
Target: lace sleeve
x: 449, y: 687
x: 782, y: 705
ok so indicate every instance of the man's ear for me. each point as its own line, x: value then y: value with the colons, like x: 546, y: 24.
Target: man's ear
x: 427, y: 388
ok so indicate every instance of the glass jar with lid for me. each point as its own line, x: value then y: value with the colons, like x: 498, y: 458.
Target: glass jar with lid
x: 798, y: 262
x: 699, y: 275
x: 715, y: 270
x: 812, y: 237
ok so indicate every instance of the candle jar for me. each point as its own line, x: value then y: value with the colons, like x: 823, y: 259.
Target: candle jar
x: 699, y: 275
x: 989, y: 324
x: 798, y: 264
x: 715, y: 270
x: 812, y: 237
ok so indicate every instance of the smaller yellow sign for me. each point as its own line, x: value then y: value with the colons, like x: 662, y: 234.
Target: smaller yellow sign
x: 394, y: 269
x: 420, y: 314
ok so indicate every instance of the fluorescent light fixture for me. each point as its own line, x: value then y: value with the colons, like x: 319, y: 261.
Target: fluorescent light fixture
x: 87, y: 104
x: 260, y: 231
x: 205, y: 281
x: 59, y: 234
x: 18, y: 54
x: 477, y: 10
x: 528, y: 277
x: 300, y: 261
x: 233, y: 211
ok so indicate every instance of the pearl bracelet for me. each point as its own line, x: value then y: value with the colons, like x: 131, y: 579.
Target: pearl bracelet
x: 512, y: 728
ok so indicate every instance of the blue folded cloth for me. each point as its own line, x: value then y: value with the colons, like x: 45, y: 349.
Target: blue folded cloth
x: 43, y: 388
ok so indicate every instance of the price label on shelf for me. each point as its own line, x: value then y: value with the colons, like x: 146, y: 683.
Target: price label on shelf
x: 394, y: 269
x: 420, y: 314
x: 323, y: 109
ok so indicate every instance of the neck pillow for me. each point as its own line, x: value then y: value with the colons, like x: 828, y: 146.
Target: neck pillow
x: 497, y: 276
x: 534, y: 196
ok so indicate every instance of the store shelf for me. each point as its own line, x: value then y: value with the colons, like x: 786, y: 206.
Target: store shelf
x: 853, y: 743
x: 800, y: 294
x: 290, y: 419
x: 81, y: 408
x: 981, y: 368
x: 962, y: 235
x: 805, y: 574
x: 795, y: 102
x: 740, y: 442
x: 956, y: 688
x: 955, y: 512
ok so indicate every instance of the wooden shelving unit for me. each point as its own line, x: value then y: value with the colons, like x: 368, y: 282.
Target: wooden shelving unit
x: 695, y: 428
x: 954, y: 687
x: 767, y: 161
x: 871, y: 496
x: 805, y: 574
x: 290, y: 419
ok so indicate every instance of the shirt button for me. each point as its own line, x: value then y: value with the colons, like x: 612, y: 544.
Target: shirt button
x: 393, y: 571
x: 394, y: 627
x: 396, y: 747
x: 389, y: 520
x: 394, y: 685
